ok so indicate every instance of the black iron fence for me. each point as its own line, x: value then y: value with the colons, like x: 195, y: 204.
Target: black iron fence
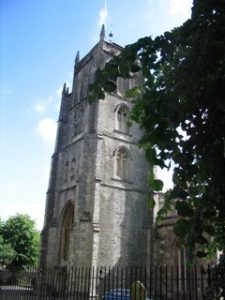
x: 118, y: 283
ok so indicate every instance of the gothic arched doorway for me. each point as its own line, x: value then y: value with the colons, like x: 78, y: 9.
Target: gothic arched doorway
x: 66, y: 227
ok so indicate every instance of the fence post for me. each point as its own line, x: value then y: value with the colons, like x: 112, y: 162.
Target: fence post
x: 39, y: 284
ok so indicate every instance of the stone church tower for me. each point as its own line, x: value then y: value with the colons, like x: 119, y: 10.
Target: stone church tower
x: 96, y: 208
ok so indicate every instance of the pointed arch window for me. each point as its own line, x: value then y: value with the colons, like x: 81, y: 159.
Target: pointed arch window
x: 123, y: 113
x: 67, y: 224
x: 122, y: 164
x: 66, y: 170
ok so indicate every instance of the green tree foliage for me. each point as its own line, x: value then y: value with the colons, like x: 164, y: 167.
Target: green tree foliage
x: 181, y: 108
x: 22, y: 239
x: 6, y: 251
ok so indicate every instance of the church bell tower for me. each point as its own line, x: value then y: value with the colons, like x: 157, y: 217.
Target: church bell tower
x: 96, y: 208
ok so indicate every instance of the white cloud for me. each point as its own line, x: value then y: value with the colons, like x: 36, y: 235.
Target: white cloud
x: 46, y: 128
x: 103, y: 15
x: 180, y: 8
x: 42, y: 106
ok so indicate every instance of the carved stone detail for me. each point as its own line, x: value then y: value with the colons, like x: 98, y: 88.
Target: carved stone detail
x: 78, y: 120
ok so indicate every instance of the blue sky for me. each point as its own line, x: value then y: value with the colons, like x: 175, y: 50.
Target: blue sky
x: 38, y: 44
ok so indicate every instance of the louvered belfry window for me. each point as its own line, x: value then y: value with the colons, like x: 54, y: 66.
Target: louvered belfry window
x: 122, y: 118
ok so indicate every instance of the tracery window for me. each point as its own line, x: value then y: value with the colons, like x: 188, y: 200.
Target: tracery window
x: 123, y: 118
x: 67, y: 224
x: 122, y: 163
